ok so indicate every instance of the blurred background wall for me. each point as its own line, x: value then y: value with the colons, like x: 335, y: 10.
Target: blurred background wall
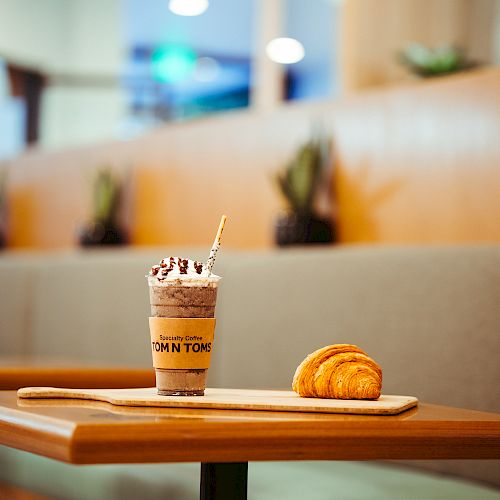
x: 90, y: 83
x: 78, y: 48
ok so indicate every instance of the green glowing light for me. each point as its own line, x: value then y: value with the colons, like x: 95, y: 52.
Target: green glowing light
x: 173, y: 63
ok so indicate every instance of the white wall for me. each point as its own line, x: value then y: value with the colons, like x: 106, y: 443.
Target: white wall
x: 90, y: 105
x: 79, y: 45
x: 32, y: 32
x: 95, y: 39
x: 78, y: 115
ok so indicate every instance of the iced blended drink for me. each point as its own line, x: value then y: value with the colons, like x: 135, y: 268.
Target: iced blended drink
x: 182, y: 294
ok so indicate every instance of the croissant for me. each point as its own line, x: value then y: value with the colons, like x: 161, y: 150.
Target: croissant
x: 339, y: 371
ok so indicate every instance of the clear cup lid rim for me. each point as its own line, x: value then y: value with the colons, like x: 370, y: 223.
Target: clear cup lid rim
x: 154, y: 281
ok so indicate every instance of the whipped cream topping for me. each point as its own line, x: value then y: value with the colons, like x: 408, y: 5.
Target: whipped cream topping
x: 179, y: 269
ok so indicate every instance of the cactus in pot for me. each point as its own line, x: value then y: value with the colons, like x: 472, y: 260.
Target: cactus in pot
x: 300, y: 183
x: 104, y: 229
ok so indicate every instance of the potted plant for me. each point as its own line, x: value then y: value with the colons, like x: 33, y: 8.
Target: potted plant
x: 300, y: 183
x: 427, y: 62
x: 103, y: 228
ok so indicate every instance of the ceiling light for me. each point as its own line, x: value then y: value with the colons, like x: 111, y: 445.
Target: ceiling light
x: 285, y: 50
x: 188, y: 7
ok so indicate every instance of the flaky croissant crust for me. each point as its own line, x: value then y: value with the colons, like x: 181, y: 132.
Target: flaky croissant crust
x: 340, y: 371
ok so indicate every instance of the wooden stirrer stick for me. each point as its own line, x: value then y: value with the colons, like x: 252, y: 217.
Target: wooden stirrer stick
x: 215, y: 246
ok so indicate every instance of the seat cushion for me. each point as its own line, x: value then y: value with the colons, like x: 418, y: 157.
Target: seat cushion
x: 267, y: 481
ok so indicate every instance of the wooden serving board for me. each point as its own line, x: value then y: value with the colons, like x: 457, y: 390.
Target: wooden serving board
x: 234, y: 399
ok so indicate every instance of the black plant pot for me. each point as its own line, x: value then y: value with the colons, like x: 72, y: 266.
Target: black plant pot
x: 302, y: 229
x: 102, y: 234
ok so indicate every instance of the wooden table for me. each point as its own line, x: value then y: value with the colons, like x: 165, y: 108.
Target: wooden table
x: 224, y: 441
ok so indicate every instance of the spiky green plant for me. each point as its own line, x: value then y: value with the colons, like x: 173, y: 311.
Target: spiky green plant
x: 299, y: 181
x: 426, y: 61
x: 106, y: 191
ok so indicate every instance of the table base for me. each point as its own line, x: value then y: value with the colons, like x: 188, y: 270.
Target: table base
x: 220, y: 481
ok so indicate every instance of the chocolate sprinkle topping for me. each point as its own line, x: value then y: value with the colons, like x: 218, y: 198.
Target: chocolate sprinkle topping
x: 183, y: 265
x: 163, y: 269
